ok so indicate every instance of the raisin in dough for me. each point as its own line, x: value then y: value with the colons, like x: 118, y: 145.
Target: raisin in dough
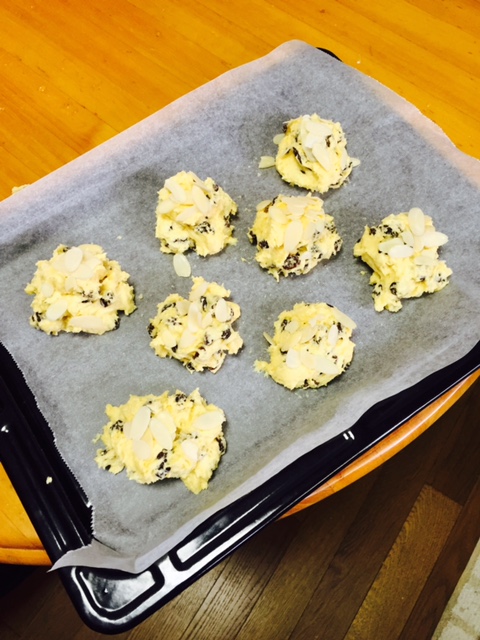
x: 293, y: 234
x: 403, y: 253
x: 198, y: 332
x: 167, y: 436
x: 194, y: 214
x: 79, y: 290
x: 310, y: 347
x: 312, y: 154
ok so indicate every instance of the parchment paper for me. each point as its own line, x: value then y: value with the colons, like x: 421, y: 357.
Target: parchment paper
x: 108, y: 196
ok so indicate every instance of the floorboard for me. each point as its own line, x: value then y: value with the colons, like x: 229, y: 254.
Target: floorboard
x: 400, y: 581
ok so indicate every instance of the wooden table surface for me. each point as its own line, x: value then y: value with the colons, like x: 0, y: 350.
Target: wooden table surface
x: 77, y: 72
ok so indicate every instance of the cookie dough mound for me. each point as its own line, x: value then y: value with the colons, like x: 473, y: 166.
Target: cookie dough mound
x: 199, y: 331
x: 310, y: 347
x: 312, y: 154
x: 293, y: 234
x: 403, y: 253
x: 79, y: 290
x: 167, y: 436
x: 194, y: 214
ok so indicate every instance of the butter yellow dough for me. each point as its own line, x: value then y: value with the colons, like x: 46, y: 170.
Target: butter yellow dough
x: 198, y: 332
x: 194, y: 214
x: 293, y: 234
x: 310, y: 346
x: 402, y: 251
x: 167, y: 436
x: 79, y: 290
x: 312, y: 153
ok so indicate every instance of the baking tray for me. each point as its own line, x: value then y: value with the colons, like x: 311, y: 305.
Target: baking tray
x: 110, y: 601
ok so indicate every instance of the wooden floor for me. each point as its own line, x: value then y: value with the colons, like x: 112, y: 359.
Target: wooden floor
x: 377, y: 561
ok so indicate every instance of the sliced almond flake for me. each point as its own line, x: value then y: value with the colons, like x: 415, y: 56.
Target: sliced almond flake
x: 83, y: 272
x: 322, y: 155
x: 345, y: 320
x: 182, y: 306
x: 355, y: 162
x: 434, y: 239
x: 278, y: 138
x: 416, y: 220
x: 292, y: 359
x: 263, y: 204
x: 140, y: 422
x: 222, y: 311
x: 72, y: 259
x: 266, y: 162
x: 295, y: 209
x: 293, y: 235
x: 178, y: 192
x: 309, y: 232
x: 291, y: 341
x: 93, y: 262
x: 187, y: 214
x: 195, y: 317
x: 278, y: 215
x: 167, y: 420
x: 167, y: 338
x: 400, y: 251
x: 93, y: 324
x: 307, y: 333
x: 386, y: 245
x: 200, y: 200
x: 148, y: 438
x: 187, y: 340
x: 311, y: 139
x: 142, y: 450
x: 181, y: 265
x: 207, y: 320
x: 56, y: 310
x: 418, y: 244
x: 332, y: 335
x: 324, y: 365
x: 307, y: 359
x: 199, y: 289
x: 165, y: 206
x: 70, y: 283
x: 307, y: 151
x: 209, y: 420
x: 424, y: 260
x: 292, y: 326
x: 321, y: 129
x: 161, y: 434
x: 47, y: 289
x: 58, y: 263
x: 298, y: 201
x: 408, y: 238
x: 190, y: 449
x: 268, y: 338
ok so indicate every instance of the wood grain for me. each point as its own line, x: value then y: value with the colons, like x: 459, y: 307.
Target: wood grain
x: 398, y: 582
x: 75, y: 73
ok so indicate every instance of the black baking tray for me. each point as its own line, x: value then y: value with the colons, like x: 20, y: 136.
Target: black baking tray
x: 110, y: 601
